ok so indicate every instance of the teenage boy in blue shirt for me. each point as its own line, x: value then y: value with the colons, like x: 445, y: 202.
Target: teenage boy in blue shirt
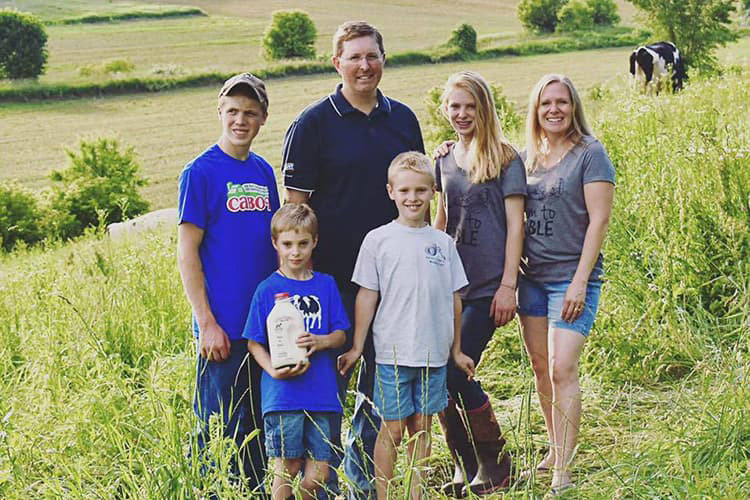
x: 227, y: 196
x: 298, y: 402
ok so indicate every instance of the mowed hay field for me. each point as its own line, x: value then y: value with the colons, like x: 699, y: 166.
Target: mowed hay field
x: 229, y: 38
x: 170, y: 128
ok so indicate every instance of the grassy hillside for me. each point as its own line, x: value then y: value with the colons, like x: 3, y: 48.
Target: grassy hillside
x: 170, y: 128
x: 55, y: 12
x: 96, y: 356
x: 230, y: 39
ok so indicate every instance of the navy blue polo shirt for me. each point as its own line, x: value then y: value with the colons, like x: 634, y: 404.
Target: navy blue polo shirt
x: 341, y: 156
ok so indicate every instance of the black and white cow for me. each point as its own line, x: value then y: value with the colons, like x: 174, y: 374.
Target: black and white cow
x: 654, y: 61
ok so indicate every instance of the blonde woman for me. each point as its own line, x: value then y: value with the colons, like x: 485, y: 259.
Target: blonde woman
x: 570, y: 192
x: 482, y: 185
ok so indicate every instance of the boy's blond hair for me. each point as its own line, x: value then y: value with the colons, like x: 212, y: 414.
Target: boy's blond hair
x: 414, y: 161
x: 294, y: 217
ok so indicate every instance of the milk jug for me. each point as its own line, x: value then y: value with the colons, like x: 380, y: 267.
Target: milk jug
x: 285, y: 323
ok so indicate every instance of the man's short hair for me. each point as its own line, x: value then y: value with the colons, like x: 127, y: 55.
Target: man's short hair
x: 294, y: 217
x: 248, y: 85
x: 414, y: 161
x: 355, y: 29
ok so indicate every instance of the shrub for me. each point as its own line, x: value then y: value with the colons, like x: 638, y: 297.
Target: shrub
x: 539, y: 15
x: 465, y: 38
x: 19, y: 217
x: 22, y: 45
x: 439, y: 129
x: 290, y: 34
x: 118, y: 66
x: 100, y: 186
x: 575, y: 16
x: 604, y: 12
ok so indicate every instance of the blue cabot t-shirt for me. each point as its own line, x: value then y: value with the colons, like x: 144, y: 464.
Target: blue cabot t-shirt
x: 320, y: 303
x: 233, y: 202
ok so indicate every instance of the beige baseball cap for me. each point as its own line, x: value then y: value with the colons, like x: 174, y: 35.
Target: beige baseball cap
x: 255, y: 83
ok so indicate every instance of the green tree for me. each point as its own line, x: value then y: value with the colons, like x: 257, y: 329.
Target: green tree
x: 696, y: 27
x: 100, y: 186
x: 291, y: 34
x: 575, y: 16
x: 465, y: 38
x: 539, y: 16
x: 23, y: 52
x: 604, y: 12
x: 20, y: 217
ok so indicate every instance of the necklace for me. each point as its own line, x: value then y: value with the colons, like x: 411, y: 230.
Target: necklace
x: 552, y: 161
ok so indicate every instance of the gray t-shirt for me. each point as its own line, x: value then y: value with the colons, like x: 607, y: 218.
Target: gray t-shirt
x: 416, y: 271
x: 476, y: 220
x: 556, y: 215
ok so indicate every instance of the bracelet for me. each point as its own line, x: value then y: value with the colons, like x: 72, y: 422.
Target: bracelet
x: 507, y: 286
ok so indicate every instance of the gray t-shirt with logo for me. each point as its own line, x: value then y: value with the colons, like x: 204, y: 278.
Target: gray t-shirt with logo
x: 416, y: 271
x: 556, y: 215
x: 476, y: 220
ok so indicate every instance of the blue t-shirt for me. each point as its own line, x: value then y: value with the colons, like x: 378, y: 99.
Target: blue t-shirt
x: 320, y: 303
x: 341, y: 156
x: 233, y: 202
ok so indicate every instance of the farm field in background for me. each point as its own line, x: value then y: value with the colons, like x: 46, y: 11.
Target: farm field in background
x: 170, y: 128
x: 191, y: 45
x: 67, y: 9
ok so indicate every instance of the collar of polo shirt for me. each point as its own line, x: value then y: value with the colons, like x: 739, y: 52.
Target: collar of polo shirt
x: 342, y: 106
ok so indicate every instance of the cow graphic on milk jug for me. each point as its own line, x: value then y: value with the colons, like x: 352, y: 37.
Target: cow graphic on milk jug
x: 285, y: 323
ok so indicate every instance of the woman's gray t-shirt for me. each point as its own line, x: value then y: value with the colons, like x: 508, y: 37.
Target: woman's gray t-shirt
x: 556, y: 215
x: 475, y: 215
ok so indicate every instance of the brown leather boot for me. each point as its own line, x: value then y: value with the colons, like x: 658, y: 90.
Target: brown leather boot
x: 459, y: 445
x: 494, y: 465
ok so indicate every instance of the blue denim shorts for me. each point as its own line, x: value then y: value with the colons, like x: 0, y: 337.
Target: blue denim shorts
x: 546, y: 299
x: 402, y: 391
x: 297, y: 434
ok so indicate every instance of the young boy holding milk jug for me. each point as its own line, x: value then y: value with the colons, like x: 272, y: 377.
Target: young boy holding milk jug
x: 296, y: 323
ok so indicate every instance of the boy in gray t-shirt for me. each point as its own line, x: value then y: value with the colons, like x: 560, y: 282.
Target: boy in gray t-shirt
x: 415, y: 272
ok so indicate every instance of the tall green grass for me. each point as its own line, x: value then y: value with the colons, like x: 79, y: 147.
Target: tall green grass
x: 96, y: 355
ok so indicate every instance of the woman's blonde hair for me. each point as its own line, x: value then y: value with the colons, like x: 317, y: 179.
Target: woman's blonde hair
x: 489, y: 152
x: 534, y: 133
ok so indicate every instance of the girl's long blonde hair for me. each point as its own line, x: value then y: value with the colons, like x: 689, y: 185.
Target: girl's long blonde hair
x: 489, y: 152
x: 534, y: 133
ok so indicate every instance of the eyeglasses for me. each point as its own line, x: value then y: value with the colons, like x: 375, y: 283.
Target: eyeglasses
x: 370, y: 58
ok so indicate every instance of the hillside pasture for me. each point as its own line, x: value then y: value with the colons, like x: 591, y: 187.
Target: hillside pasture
x: 96, y: 356
x: 170, y: 128
x: 230, y: 39
x: 55, y: 12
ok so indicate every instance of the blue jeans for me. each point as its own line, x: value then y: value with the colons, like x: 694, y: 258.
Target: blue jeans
x: 546, y: 299
x: 365, y: 425
x: 477, y: 328
x: 231, y: 388
x: 298, y: 434
x: 402, y: 391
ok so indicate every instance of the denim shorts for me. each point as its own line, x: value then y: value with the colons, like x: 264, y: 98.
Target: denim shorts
x: 402, y: 391
x: 297, y: 434
x: 546, y: 299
